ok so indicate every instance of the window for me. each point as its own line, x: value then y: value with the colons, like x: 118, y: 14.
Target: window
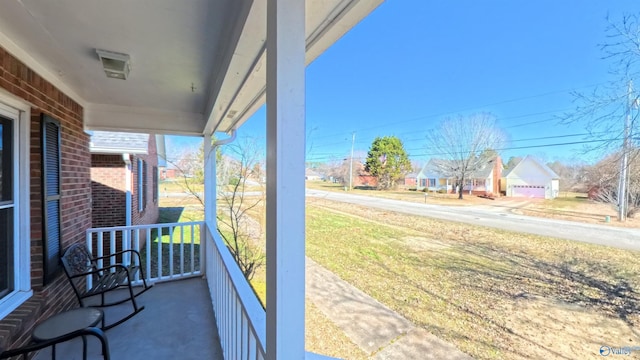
x: 142, y: 185
x: 155, y: 184
x: 51, y: 184
x: 15, y: 274
x: 432, y: 182
x: 7, y: 206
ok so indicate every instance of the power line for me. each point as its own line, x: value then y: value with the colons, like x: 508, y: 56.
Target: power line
x: 499, y: 119
x: 470, y: 108
x: 337, y: 155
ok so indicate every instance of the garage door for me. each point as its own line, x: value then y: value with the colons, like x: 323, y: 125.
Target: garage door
x: 532, y: 191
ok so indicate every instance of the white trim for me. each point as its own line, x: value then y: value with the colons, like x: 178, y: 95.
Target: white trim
x: 30, y: 62
x: 142, y: 120
x: 285, y: 161
x: 140, y: 186
x: 20, y: 113
x: 209, y: 183
x: 112, y: 151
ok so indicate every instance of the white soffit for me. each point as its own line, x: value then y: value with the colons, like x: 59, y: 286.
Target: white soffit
x: 197, y: 66
x: 326, y: 22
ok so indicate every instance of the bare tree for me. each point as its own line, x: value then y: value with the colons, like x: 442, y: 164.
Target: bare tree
x: 462, y: 143
x: 572, y: 175
x: 610, y: 111
x: 188, y: 166
x: 241, y: 196
x: 603, y: 177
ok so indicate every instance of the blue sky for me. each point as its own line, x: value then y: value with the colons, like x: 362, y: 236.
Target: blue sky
x: 412, y: 63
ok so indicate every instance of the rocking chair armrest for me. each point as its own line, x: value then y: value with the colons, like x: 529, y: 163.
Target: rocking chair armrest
x: 102, y: 269
x: 116, y: 254
x: 92, y: 331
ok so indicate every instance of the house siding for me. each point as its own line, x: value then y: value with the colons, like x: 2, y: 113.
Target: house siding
x: 530, y: 172
x: 19, y: 80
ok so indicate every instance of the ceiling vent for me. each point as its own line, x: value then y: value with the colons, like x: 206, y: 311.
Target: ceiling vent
x: 116, y: 65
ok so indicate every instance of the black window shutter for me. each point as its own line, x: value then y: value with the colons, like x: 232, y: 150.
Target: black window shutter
x: 51, y: 179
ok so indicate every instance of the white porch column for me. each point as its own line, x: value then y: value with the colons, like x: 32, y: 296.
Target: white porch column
x: 209, y: 184
x: 285, y: 179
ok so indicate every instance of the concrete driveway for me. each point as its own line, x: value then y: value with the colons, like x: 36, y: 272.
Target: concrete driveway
x: 622, y: 238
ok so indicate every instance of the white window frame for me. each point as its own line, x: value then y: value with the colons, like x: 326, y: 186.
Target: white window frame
x: 140, y: 187
x: 20, y: 112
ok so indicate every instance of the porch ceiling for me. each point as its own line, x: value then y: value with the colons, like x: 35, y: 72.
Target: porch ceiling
x: 196, y: 65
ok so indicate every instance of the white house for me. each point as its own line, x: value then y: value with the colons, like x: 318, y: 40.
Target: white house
x: 484, y: 181
x: 531, y: 178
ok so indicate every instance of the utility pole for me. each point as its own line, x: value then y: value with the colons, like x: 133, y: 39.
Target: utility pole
x: 623, y: 198
x: 353, y: 140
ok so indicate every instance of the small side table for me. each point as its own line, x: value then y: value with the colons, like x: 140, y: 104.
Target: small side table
x: 67, y: 322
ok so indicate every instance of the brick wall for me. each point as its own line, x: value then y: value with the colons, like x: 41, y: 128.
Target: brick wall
x: 150, y: 214
x: 17, y: 79
x: 108, y: 190
x: 497, y: 173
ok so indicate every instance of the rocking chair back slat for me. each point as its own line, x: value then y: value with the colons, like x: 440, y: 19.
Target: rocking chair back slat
x: 78, y: 263
x: 77, y: 260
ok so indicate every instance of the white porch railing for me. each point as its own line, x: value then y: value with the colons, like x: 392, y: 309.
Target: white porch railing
x: 168, y: 251
x: 241, y: 319
x: 179, y: 250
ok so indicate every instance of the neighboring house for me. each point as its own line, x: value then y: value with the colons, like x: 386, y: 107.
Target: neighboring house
x: 169, y: 173
x: 411, y: 179
x: 124, y: 178
x: 311, y: 175
x: 431, y: 179
x: 531, y: 178
x: 365, y: 179
x: 485, y: 181
x: 361, y: 177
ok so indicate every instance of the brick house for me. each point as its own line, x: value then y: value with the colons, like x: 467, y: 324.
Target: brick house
x: 45, y: 195
x: 124, y: 178
x: 45, y: 189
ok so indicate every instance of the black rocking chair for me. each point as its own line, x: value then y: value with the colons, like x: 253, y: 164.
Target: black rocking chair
x: 91, y: 331
x: 78, y: 264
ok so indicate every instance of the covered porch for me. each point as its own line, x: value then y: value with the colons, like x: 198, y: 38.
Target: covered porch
x: 198, y: 68
x: 176, y: 323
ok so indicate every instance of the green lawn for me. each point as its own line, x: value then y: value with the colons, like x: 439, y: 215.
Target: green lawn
x: 182, y: 240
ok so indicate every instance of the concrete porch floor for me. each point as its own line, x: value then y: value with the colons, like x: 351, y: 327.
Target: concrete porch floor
x: 177, y: 323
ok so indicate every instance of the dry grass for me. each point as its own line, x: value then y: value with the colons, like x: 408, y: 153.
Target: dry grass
x: 494, y: 294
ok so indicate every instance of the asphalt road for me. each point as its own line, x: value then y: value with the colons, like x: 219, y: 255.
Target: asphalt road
x: 622, y: 238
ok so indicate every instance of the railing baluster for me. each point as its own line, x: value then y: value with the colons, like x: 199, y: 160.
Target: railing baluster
x: 89, y: 246
x: 136, y: 238
x: 100, y: 247
x: 193, y: 237
x: 112, y: 248
x: 159, y: 239
x: 126, y: 245
x: 182, y: 249
x: 170, y: 252
x: 149, y: 247
x: 234, y: 324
